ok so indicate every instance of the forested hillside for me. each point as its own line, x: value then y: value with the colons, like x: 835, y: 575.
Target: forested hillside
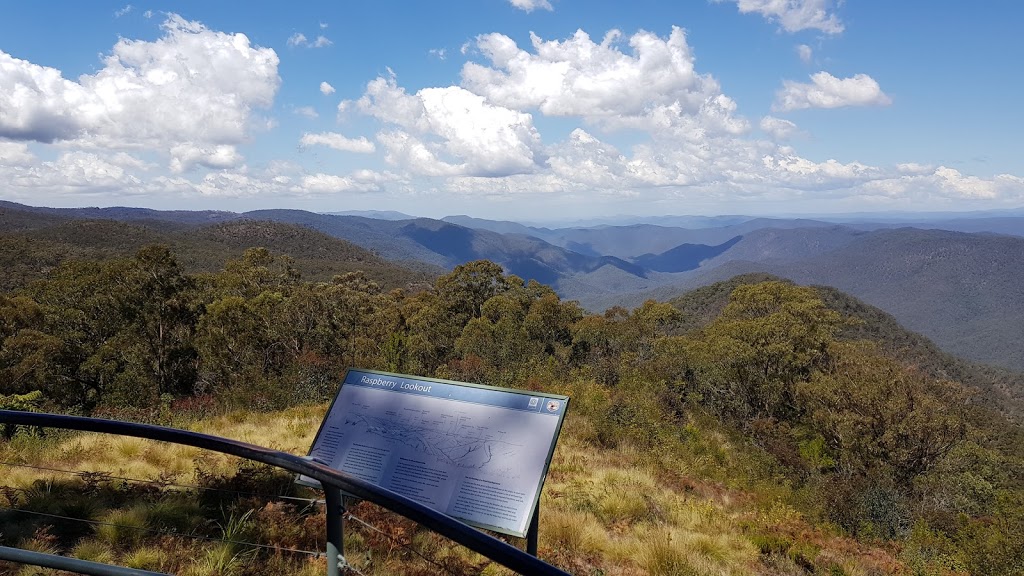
x: 821, y: 439
x: 927, y: 279
x: 962, y: 290
x: 33, y: 242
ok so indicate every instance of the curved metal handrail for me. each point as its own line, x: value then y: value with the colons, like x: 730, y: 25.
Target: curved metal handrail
x: 477, y: 541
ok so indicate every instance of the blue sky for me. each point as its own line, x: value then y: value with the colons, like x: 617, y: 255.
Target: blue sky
x: 514, y: 109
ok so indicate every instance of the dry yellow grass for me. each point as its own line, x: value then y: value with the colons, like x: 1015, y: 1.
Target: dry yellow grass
x: 610, y: 507
x: 290, y: 431
x: 619, y: 511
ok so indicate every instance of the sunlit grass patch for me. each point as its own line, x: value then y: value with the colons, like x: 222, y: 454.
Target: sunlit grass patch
x: 127, y: 448
x: 573, y: 531
x: 662, y: 551
x: 145, y: 558
x: 93, y: 550
x: 222, y: 559
x: 292, y: 429
x: 124, y: 527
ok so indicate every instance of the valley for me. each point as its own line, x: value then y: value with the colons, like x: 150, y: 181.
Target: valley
x: 923, y: 272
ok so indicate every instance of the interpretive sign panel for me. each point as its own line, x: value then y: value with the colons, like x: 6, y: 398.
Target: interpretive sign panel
x: 476, y: 453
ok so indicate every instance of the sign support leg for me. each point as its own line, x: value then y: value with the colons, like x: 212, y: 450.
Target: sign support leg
x: 531, y: 533
x: 335, y: 531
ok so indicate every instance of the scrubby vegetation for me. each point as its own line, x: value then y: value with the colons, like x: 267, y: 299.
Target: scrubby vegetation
x: 757, y: 428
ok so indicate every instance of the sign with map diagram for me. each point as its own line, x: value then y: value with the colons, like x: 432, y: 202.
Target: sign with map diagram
x: 476, y: 453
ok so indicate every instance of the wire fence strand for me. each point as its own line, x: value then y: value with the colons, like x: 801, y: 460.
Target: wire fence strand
x: 162, y: 532
x: 161, y: 483
x: 348, y: 515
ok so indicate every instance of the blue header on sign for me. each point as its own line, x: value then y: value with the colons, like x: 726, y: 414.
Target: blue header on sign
x: 461, y: 393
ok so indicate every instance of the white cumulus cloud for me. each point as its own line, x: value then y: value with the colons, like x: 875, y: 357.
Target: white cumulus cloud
x: 456, y: 129
x: 945, y: 186
x: 15, y: 154
x: 805, y: 53
x: 193, y: 85
x: 187, y: 155
x: 337, y: 141
x: 778, y: 128
x: 799, y: 172
x: 953, y: 181
x: 531, y: 5
x: 326, y: 89
x: 586, y: 161
x: 827, y: 91
x: 654, y: 86
x: 412, y: 154
x: 300, y: 40
x: 794, y: 15
x: 74, y: 172
x: 358, y: 181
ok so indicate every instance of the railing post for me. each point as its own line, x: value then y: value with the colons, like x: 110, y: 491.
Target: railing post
x: 531, y: 533
x: 335, y: 531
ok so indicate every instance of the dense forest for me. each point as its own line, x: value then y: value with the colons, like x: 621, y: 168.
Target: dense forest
x: 878, y: 437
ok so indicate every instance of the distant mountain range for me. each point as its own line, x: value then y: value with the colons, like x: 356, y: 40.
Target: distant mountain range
x: 955, y: 280
x: 964, y: 291
x: 33, y: 241
x: 377, y: 214
x: 996, y: 387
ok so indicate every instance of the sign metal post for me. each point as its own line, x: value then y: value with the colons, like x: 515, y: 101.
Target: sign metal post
x: 531, y: 534
x: 335, y: 531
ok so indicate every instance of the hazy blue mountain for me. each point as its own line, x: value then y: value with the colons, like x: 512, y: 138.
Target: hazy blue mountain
x: 499, y: 226
x: 781, y: 245
x: 378, y: 236
x: 663, y: 221
x: 375, y: 214
x: 964, y: 291
x: 683, y: 257
x: 128, y: 214
x: 1011, y: 225
x: 640, y: 239
x: 448, y: 245
x: 525, y: 256
x: 921, y: 217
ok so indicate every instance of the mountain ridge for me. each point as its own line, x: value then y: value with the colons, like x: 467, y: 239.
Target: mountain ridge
x: 960, y: 289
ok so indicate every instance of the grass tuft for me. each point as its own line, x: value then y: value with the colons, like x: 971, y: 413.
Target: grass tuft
x: 124, y: 527
x: 145, y: 558
x: 93, y: 551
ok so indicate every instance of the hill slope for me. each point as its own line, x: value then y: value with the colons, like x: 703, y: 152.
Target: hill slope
x: 448, y: 245
x: 31, y: 243
x: 1000, y: 389
x: 963, y: 291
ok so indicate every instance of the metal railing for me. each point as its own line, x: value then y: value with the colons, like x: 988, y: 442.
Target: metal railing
x: 334, y: 483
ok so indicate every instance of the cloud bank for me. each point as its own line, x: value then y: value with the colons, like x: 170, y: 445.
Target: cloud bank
x: 609, y: 118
